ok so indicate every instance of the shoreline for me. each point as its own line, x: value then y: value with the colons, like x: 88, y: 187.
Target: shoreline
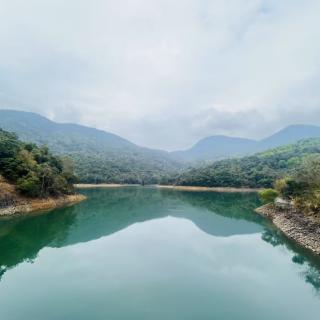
x: 302, y: 229
x: 100, y: 185
x: 28, y: 206
x: 181, y: 188
x: 211, y: 189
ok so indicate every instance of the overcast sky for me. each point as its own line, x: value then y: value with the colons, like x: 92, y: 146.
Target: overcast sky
x: 163, y: 73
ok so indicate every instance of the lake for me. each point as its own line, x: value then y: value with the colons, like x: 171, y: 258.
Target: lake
x: 145, y: 253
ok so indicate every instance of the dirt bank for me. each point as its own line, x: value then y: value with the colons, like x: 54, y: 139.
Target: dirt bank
x: 23, y: 206
x: 12, y: 203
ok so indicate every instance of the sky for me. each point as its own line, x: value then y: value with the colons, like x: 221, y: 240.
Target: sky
x: 163, y: 73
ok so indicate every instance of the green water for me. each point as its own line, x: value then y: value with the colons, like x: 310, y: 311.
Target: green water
x: 143, y: 253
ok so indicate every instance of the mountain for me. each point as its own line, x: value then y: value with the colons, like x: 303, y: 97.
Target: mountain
x: 105, y: 157
x: 99, y: 156
x: 256, y: 171
x: 216, y: 148
x: 222, y: 147
x: 289, y: 135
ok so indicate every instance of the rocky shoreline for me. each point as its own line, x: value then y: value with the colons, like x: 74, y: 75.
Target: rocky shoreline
x: 25, y: 206
x: 303, y: 229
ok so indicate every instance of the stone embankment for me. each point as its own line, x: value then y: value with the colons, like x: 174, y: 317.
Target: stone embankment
x: 302, y: 228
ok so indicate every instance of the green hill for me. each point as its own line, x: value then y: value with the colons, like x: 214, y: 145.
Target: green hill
x: 99, y: 156
x: 259, y: 170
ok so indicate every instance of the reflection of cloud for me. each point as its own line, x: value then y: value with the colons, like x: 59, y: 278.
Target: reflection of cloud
x: 188, y: 69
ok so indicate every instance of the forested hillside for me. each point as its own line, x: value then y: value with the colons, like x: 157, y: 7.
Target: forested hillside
x: 34, y: 170
x: 99, y: 156
x: 259, y: 170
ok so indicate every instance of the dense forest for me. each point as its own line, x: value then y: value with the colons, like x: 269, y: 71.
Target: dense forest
x: 120, y: 168
x: 34, y: 170
x: 258, y: 171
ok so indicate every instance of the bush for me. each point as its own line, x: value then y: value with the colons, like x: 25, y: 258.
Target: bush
x: 268, y: 195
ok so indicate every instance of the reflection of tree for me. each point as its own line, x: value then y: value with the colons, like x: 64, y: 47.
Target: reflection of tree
x: 22, y: 238
x: 110, y: 210
x: 312, y: 276
x: 230, y: 205
x: 3, y: 269
x: 272, y: 237
x: 309, y: 261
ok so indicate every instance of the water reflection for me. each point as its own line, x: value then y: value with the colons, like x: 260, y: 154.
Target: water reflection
x: 22, y: 238
x: 309, y: 261
x: 108, y: 211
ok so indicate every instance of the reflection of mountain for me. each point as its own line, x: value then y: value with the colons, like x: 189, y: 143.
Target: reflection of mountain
x: 233, y: 212
x: 111, y: 210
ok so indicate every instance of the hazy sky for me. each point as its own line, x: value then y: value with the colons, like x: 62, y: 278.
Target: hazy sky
x: 163, y: 73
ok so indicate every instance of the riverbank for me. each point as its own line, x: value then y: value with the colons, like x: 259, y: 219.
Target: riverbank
x: 182, y: 188
x: 303, y: 229
x: 26, y: 206
x: 13, y: 203
x: 213, y: 189
x: 101, y: 185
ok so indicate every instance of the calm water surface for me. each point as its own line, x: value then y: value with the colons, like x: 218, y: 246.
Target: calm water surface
x: 143, y: 253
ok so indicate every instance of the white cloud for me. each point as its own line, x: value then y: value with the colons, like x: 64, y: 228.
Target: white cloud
x: 163, y: 73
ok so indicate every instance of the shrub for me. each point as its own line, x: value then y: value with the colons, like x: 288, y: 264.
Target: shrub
x: 268, y: 195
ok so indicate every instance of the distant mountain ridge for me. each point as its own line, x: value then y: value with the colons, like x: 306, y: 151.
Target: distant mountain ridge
x: 34, y: 127
x: 221, y: 147
x: 99, y: 156
x: 105, y: 157
x: 216, y: 148
x: 289, y: 135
